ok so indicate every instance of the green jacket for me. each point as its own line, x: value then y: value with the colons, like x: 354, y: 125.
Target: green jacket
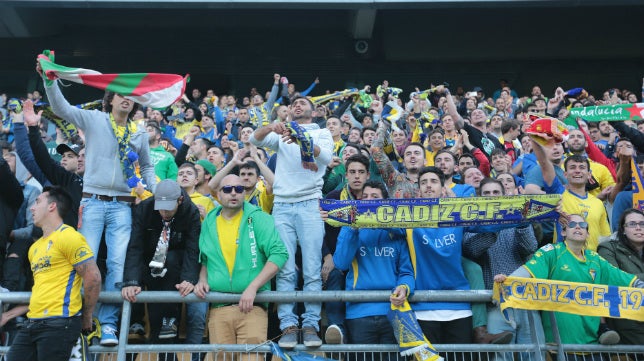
x: 164, y: 165
x: 259, y: 243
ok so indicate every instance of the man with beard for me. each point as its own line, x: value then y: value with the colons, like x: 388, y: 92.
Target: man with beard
x: 601, y: 181
x: 446, y: 162
x: 476, y: 127
x: 255, y: 175
x: 110, y: 137
x: 401, y: 185
x: 303, y: 153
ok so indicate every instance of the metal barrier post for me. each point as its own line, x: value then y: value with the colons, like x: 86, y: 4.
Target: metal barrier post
x: 534, y: 334
x: 125, y: 327
x: 555, y: 333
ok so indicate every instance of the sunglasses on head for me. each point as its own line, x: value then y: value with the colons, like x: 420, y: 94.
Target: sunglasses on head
x: 229, y: 189
x: 573, y: 224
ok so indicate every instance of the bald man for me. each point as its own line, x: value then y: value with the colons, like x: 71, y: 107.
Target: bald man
x: 240, y: 238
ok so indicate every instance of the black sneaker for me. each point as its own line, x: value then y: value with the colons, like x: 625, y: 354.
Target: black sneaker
x: 168, y: 328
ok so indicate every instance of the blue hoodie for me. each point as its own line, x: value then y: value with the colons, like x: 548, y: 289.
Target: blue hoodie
x: 436, y: 256
x: 376, y: 259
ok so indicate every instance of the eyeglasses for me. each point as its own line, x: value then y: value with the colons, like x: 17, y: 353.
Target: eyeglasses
x: 573, y: 224
x: 229, y: 189
x: 634, y: 224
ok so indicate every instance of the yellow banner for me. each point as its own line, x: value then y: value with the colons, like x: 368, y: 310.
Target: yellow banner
x: 638, y: 190
x: 571, y: 297
x: 441, y: 212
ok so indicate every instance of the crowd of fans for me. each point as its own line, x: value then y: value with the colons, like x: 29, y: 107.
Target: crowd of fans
x: 251, y: 170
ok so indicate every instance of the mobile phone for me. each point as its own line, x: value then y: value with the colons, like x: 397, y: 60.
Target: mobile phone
x: 472, y: 94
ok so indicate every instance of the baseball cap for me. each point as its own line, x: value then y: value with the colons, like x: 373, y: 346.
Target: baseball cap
x: 209, y: 167
x: 167, y: 193
x: 62, y: 148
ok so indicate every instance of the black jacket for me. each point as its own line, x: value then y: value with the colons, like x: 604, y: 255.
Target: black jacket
x: 624, y: 257
x: 11, y: 199
x: 57, y: 175
x: 146, y: 229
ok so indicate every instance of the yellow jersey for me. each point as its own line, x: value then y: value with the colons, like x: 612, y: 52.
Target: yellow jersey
x: 200, y: 200
x: 56, y: 290
x: 593, y: 211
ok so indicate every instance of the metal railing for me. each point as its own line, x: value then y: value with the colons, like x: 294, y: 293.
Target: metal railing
x: 346, y: 352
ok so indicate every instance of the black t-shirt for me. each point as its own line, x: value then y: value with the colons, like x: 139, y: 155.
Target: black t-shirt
x: 486, y: 143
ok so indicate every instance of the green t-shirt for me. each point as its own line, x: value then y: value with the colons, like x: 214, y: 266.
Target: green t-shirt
x: 557, y: 262
x: 51, y: 148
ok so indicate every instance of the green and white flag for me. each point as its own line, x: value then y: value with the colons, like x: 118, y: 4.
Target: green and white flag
x: 149, y: 89
x: 611, y: 113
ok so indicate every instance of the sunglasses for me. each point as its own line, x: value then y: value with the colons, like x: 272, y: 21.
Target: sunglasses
x: 229, y: 189
x: 573, y: 224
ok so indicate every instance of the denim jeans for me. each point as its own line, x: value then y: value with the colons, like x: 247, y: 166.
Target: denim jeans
x: 372, y: 330
x: 519, y: 325
x: 195, y: 324
x: 116, y: 219
x: 49, y: 339
x: 335, y: 311
x: 300, y: 222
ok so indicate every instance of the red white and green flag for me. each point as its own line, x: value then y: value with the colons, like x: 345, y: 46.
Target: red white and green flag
x: 149, y: 89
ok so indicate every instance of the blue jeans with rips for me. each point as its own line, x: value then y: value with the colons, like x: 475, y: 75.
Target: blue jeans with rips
x: 116, y: 219
x: 300, y: 223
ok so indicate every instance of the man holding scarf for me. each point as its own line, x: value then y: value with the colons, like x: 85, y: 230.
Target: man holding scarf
x: 303, y: 152
x: 113, y: 145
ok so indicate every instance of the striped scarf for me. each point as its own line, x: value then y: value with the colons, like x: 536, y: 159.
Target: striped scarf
x: 304, y: 140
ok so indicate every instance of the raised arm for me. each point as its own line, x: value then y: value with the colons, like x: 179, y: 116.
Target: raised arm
x: 387, y: 170
x: 234, y: 162
x: 547, y: 168
x: 451, y: 108
x: 51, y: 170
x: 21, y: 139
x: 60, y: 106
x: 306, y: 91
x: 272, y: 97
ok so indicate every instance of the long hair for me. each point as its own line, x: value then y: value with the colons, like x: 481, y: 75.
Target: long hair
x: 107, y: 104
x: 621, y: 234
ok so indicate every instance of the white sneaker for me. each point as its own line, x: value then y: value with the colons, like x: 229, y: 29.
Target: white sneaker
x: 334, y: 335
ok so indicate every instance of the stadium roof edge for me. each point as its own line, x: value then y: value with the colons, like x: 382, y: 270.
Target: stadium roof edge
x: 317, y: 4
